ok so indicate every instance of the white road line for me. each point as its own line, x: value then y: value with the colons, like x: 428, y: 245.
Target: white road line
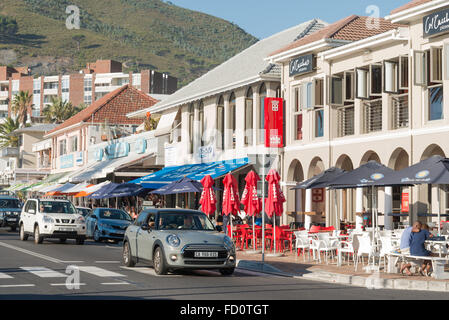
x: 65, y: 284
x: 107, y: 262
x: 17, y: 285
x: 100, y: 272
x: 114, y: 283
x: 30, y: 253
x: 43, y: 272
x: 149, y: 271
x: 5, y: 276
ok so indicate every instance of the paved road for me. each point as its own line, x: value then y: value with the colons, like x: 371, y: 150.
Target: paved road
x: 29, y: 271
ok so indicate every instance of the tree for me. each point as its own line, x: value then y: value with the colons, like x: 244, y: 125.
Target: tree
x: 60, y: 110
x: 6, y: 130
x: 22, y: 101
x: 78, y: 38
x: 8, y: 26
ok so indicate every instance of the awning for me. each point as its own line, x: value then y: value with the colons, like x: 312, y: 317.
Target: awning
x: 193, y: 171
x: 165, y: 124
x: 103, y: 80
x: 50, y: 187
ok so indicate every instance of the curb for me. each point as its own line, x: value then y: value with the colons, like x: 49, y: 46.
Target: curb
x: 373, y: 282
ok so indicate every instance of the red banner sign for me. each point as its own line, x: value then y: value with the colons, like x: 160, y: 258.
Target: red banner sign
x: 274, y: 122
x: 405, y: 202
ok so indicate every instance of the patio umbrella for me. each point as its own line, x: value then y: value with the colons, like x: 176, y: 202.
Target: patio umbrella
x: 250, y: 200
x: 184, y: 185
x: 231, y: 201
x: 60, y: 190
x: 208, y: 199
x: 274, y: 202
x: 103, y: 191
x: 434, y: 170
x: 126, y: 190
x: 89, y: 190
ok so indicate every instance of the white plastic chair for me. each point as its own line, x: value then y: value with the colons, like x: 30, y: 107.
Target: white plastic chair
x: 323, y: 245
x: 349, y: 246
x: 303, y: 243
x: 365, y: 248
x: 387, y: 247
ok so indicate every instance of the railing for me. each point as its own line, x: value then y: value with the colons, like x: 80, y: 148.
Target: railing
x: 345, y: 121
x: 372, y: 116
x: 400, y: 111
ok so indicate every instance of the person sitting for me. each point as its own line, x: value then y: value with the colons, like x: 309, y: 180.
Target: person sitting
x: 418, y: 237
x: 188, y: 223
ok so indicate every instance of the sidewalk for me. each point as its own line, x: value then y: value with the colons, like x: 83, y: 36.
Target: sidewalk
x: 289, y: 265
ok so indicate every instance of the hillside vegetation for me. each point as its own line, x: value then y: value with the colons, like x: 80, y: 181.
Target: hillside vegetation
x: 140, y: 33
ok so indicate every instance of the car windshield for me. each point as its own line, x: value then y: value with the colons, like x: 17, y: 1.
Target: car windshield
x: 184, y: 221
x: 114, y: 214
x: 9, y: 204
x: 84, y: 212
x: 57, y: 207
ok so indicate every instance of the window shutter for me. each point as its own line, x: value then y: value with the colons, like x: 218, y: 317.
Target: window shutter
x: 336, y: 91
x: 362, y: 83
x: 403, y: 73
x: 375, y: 77
x: 436, y: 61
x: 446, y: 61
x: 420, y: 68
x: 391, y: 75
x: 348, y: 83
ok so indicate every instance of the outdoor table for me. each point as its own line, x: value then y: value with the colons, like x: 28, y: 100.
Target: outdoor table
x: 439, y: 245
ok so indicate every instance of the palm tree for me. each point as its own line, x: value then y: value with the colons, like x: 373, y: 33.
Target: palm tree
x: 60, y: 110
x: 22, y: 101
x: 6, y: 130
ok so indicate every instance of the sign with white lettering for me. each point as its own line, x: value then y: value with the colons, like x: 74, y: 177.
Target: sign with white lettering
x: 301, y: 65
x: 436, y: 23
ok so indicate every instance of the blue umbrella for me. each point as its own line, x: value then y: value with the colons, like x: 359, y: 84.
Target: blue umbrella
x: 101, y: 193
x: 322, y: 180
x: 185, y: 185
x: 126, y: 190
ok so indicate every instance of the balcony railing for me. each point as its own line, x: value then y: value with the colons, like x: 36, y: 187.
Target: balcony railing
x: 345, y: 118
x: 400, y: 111
x: 372, y: 116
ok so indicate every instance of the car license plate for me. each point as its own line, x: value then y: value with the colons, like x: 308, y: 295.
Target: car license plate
x: 11, y: 219
x: 67, y: 229
x: 200, y: 254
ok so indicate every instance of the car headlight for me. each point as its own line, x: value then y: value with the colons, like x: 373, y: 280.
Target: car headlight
x: 80, y: 220
x: 228, y: 242
x: 173, y: 240
x: 48, y: 220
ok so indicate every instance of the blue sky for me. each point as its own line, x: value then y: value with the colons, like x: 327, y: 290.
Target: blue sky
x: 263, y: 18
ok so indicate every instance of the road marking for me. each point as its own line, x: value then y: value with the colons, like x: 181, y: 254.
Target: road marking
x: 5, y: 276
x: 100, y: 272
x: 16, y: 285
x: 107, y: 262
x: 44, y: 272
x: 31, y: 253
x: 65, y: 284
x: 114, y: 283
x: 149, y: 271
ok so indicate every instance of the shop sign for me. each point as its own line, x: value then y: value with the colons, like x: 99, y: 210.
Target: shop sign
x: 274, y: 122
x: 117, y: 150
x: 171, y: 153
x: 405, y: 202
x: 301, y: 65
x: 140, y: 145
x: 436, y: 23
x: 79, y: 158
x: 66, y: 161
x: 206, y: 153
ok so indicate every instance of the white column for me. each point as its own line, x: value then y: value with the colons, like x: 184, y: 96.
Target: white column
x: 388, y: 208
x: 308, y: 208
x: 359, y: 209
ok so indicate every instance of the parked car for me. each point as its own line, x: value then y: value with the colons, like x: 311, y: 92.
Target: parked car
x: 85, y: 212
x: 10, y: 209
x: 51, y: 218
x: 173, y: 239
x: 107, y: 224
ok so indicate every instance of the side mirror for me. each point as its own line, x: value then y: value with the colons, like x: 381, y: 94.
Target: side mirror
x: 219, y: 228
x: 145, y: 227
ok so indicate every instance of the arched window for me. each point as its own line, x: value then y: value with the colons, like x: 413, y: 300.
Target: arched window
x: 220, y: 123
x: 233, y: 119
x: 249, y: 117
x: 262, y: 96
x: 191, y: 126
x: 278, y: 92
x: 201, y: 123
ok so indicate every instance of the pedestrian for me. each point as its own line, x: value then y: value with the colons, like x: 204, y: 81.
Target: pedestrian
x: 133, y: 213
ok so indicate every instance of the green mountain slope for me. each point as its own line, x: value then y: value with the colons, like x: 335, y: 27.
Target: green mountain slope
x: 140, y: 33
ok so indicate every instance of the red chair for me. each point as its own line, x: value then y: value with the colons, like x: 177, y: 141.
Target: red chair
x: 315, y: 229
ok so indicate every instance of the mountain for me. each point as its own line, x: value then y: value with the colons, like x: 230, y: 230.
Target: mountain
x: 143, y: 34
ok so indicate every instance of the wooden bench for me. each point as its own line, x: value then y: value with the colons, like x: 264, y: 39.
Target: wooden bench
x: 437, y: 264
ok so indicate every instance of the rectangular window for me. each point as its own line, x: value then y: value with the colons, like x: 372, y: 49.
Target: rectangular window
x: 362, y: 76
x: 336, y: 91
x: 349, y: 86
x: 74, y: 144
x: 436, y: 65
x: 220, y: 127
x: 319, y: 123
x: 296, y: 100
x: 62, y: 147
x: 318, y: 90
x: 191, y: 123
x: 87, y: 84
x: 51, y: 85
x: 375, y: 79
x: 403, y: 73
x: 446, y: 61
x: 249, y: 121
x: 298, y: 127
x: 420, y: 68
x: 391, y: 75
x: 436, y: 103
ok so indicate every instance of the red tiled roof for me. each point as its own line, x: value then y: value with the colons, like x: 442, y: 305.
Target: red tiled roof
x: 352, y: 28
x: 113, y: 106
x: 411, y: 4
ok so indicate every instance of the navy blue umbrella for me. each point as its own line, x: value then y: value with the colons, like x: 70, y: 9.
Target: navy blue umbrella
x: 185, y: 185
x: 126, y: 190
x: 101, y: 193
x: 322, y: 180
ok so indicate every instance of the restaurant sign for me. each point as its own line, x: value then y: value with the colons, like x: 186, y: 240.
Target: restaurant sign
x: 117, y: 150
x: 301, y: 65
x: 436, y: 23
x: 274, y: 122
x: 66, y: 161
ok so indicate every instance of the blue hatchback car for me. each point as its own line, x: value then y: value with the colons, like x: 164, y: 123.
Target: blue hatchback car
x: 107, y: 224
x: 10, y: 209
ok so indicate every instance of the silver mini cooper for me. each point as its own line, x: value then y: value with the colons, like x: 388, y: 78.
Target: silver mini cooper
x: 173, y: 239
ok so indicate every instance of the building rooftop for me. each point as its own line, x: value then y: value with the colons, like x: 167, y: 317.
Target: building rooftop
x: 37, y: 128
x: 411, y: 4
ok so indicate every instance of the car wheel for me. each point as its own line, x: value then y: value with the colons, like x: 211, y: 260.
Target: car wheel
x: 159, y: 264
x: 97, y: 237
x: 37, y: 236
x: 227, y: 272
x: 23, y: 235
x: 62, y: 240
x: 127, y: 256
x: 79, y: 241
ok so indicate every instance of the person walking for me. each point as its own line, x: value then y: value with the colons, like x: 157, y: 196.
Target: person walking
x: 134, y: 214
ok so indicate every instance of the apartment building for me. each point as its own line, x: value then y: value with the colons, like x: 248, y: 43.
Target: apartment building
x: 85, y: 87
x: 367, y: 90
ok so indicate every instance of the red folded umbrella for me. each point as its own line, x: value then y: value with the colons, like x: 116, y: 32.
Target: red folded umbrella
x: 251, y: 202
x: 275, y: 199
x: 208, y: 199
x: 231, y: 201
